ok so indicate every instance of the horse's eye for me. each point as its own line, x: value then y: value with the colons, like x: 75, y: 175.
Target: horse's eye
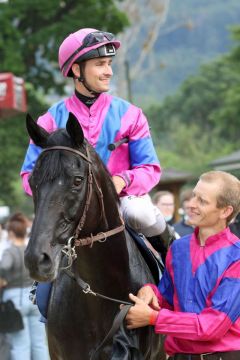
x: 77, y: 180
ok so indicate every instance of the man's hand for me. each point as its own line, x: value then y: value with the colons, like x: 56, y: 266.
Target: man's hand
x: 139, y: 314
x: 147, y: 295
x: 119, y: 183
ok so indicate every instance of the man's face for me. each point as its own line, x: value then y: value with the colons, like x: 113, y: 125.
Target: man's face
x: 187, y: 209
x: 98, y: 73
x: 203, y: 211
x: 166, y: 206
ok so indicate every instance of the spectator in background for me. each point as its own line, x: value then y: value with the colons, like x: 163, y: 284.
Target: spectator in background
x: 4, y: 344
x: 4, y: 242
x: 235, y: 226
x: 29, y: 343
x: 164, y: 200
x: 183, y: 227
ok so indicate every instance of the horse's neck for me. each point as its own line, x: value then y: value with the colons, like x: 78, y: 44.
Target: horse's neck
x: 103, y: 213
x: 107, y: 199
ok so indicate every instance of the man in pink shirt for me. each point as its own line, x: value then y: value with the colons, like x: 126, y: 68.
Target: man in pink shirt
x: 86, y: 56
x: 197, y: 302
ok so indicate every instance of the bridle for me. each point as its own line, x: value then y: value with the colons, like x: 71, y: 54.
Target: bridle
x: 101, y: 236
x: 75, y: 240
x: 69, y: 249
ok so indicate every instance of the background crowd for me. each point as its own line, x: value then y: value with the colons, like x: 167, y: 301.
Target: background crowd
x: 15, y: 284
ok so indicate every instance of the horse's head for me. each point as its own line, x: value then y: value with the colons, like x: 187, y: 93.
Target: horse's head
x: 60, y: 187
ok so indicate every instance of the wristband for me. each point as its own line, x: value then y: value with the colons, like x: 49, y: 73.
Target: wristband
x: 153, y: 317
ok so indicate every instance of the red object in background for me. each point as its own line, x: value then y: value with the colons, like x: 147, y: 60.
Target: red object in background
x: 12, y: 95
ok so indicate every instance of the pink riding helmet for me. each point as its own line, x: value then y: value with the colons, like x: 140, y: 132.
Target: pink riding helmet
x: 82, y: 42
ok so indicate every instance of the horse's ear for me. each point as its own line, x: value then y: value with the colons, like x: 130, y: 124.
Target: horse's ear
x: 37, y: 133
x: 74, y: 129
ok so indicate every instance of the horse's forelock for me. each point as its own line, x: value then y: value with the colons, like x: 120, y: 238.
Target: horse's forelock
x: 50, y: 166
x: 59, y: 137
x: 53, y: 164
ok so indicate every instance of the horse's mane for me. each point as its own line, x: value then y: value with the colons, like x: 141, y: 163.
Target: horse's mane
x: 55, y: 162
x: 108, y: 178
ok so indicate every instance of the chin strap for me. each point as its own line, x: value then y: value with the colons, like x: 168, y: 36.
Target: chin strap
x: 82, y: 80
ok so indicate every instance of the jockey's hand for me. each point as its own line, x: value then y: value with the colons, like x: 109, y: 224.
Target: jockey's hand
x: 119, y: 183
x: 147, y: 295
x: 139, y: 314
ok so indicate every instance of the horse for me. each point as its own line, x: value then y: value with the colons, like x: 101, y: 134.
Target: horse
x: 78, y: 234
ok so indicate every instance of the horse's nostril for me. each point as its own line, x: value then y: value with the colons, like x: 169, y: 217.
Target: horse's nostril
x: 45, y: 261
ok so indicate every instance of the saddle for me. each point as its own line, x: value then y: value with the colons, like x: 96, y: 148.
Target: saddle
x: 149, y: 254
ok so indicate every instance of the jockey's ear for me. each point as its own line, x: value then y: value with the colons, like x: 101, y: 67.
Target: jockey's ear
x: 38, y: 134
x: 74, y: 129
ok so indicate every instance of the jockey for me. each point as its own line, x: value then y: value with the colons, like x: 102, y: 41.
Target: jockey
x: 86, y: 57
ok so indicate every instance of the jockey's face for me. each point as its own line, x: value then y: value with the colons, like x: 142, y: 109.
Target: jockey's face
x: 97, y: 75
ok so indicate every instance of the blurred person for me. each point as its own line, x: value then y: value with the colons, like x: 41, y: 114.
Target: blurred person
x: 184, y: 227
x: 4, y: 242
x: 164, y: 200
x: 29, y: 343
x: 165, y: 203
x: 4, y: 344
x: 86, y: 56
x: 235, y: 225
x: 197, y: 303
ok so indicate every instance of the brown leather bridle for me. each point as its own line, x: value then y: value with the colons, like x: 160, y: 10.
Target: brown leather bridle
x: 101, y: 236
x: 69, y: 249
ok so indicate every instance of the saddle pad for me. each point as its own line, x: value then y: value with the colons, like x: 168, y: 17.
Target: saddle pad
x: 155, y: 265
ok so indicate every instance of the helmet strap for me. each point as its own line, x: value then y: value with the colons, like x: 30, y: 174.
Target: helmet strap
x: 82, y: 79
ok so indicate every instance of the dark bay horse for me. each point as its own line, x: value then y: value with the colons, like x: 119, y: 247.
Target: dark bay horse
x: 76, y: 205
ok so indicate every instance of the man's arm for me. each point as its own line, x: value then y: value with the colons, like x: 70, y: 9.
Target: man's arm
x: 212, y: 323
x: 144, y: 172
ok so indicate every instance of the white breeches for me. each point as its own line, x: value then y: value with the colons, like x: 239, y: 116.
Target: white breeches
x: 140, y: 214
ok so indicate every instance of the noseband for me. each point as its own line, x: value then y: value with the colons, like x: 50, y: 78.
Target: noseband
x: 101, y: 236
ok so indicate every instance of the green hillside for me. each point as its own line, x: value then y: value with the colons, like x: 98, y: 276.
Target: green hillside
x: 181, y: 52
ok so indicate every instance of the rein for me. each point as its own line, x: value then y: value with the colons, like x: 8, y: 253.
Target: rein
x: 85, y: 287
x: 119, y: 318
